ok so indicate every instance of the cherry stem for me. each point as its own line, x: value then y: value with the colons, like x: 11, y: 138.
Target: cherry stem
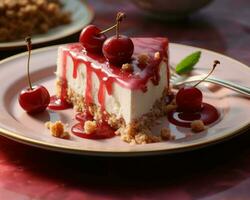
x: 216, y: 62
x: 119, y: 17
x: 28, y: 43
x: 108, y: 29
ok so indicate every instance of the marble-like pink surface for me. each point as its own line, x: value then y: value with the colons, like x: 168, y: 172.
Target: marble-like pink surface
x: 215, y: 173
x: 219, y: 172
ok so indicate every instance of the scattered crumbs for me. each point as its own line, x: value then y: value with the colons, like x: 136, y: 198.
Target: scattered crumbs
x: 57, y: 129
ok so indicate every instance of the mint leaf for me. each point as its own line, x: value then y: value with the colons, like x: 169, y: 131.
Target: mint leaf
x: 187, y: 64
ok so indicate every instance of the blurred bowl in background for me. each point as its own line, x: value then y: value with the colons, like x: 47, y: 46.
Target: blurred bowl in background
x: 170, y: 9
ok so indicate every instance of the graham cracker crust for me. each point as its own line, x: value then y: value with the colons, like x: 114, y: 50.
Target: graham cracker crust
x: 136, y: 132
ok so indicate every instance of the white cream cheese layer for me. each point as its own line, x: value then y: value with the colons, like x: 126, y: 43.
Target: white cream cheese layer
x: 124, y: 102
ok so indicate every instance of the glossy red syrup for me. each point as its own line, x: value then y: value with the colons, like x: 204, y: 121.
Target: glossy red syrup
x: 58, y: 103
x: 103, y: 129
x: 108, y: 74
x: 208, y: 115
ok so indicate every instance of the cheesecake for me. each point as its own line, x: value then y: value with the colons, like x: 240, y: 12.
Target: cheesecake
x: 130, y: 97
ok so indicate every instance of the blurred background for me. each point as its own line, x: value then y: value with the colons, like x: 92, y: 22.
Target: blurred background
x: 219, y: 25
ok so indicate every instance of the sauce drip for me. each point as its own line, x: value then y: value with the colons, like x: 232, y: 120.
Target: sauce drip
x: 103, y: 130
x: 108, y: 74
x: 58, y: 103
x: 208, y: 115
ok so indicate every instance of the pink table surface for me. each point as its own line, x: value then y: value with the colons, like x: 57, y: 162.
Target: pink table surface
x: 218, y: 172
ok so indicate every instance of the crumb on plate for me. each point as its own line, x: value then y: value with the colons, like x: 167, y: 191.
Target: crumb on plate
x: 143, y: 58
x: 197, y: 126
x: 57, y: 129
x: 166, y: 134
x: 168, y: 108
x: 127, y: 67
x: 90, y: 127
x: 157, y: 55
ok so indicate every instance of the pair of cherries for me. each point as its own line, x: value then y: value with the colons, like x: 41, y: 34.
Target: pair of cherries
x: 117, y: 49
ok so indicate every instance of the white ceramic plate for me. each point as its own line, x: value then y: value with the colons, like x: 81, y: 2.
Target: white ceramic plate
x: 81, y: 15
x: 19, y: 126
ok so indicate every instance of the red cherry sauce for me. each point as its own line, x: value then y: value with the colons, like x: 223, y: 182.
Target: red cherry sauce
x: 108, y: 74
x: 208, y: 115
x: 103, y: 129
x: 60, y: 103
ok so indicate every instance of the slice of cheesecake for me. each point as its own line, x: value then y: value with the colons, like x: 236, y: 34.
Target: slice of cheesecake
x: 130, y: 96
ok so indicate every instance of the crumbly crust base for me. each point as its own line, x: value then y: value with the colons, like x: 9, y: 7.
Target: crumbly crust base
x: 136, y: 132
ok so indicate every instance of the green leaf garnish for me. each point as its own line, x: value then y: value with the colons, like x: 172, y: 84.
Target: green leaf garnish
x: 187, y: 64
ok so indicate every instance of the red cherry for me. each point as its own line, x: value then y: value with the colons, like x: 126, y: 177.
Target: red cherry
x: 118, y: 50
x: 189, y: 99
x: 34, y: 100
x: 92, y: 39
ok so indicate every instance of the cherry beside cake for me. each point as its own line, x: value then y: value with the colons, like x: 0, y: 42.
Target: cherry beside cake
x: 191, y: 111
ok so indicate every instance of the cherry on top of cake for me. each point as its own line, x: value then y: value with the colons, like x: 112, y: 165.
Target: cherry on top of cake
x: 130, y: 62
x: 144, y: 64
